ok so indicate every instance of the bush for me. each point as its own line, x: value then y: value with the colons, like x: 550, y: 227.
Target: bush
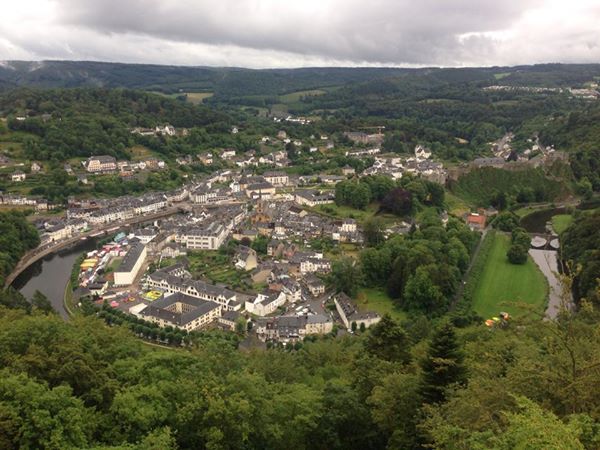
x: 517, y: 254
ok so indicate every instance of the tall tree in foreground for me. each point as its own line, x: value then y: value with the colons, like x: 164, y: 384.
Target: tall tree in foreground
x: 388, y: 340
x: 442, y: 367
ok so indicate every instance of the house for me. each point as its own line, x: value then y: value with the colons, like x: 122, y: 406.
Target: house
x: 281, y: 134
x: 277, y: 178
x: 315, y: 285
x: 167, y: 130
x: 207, y: 237
x: 311, y: 197
x: 318, y: 324
x: 82, y: 178
x: 262, y: 190
x: 130, y: 265
x: 228, y: 153
x: 422, y: 152
x: 349, y: 313
x: 206, y: 158
x: 100, y: 163
x: 182, y: 311
x: 476, y: 221
x: 289, y: 329
x: 245, y: 258
x: 229, y: 320
x: 348, y: 170
x: 349, y: 226
x: 172, y: 250
x: 18, y: 176
x: 265, y: 303
x: 35, y: 167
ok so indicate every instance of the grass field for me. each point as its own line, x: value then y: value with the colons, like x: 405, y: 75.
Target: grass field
x: 192, y: 97
x: 502, y: 282
x: 198, y: 97
x: 561, y: 222
x: 295, y: 96
x: 378, y: 301
x: 456, y: 205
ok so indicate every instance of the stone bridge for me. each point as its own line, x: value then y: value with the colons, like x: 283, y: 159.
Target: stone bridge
x: 40, y: 252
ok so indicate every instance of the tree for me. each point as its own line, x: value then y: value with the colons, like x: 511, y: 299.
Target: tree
x: 422, y: 294
x: 517, y: 254
x: 41, y: 302
x: 346, y: 276
x: 374, y: 229
x: 388, y: 340
x: 398, y: 201
x: 443, y: 366
x: 353, y: 326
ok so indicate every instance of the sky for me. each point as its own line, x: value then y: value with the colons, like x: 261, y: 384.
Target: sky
x: 303, y: 33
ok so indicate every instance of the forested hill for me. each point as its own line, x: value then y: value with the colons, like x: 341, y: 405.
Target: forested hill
x: 228, y: 82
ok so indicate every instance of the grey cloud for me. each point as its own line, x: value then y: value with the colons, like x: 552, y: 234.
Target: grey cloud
x: 389, y: 31
x: 286, y: 33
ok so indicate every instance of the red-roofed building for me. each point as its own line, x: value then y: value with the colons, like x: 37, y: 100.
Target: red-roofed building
x: 476, y: 221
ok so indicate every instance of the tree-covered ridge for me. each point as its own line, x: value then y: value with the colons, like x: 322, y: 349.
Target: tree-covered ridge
x: 83, y: 384
x: 499, y: 187
x: 17, y: 236
x: 581, y: 247
x: 85, y: 122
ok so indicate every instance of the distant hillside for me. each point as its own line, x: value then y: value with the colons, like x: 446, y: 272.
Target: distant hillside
x: 228, y: 82
x: 171, y: 79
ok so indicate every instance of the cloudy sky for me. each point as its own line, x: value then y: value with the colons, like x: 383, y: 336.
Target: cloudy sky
x: 293, y: 33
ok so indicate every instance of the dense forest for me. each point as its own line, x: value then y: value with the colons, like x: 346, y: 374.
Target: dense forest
x: 581, y: 246
x: 17, y: 236
x: 83, y: 384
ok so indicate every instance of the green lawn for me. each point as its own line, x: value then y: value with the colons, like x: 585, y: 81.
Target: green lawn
x: 456, y: 205
x: 502, y: 282
x: 561, y: 222
x: 378, y: 301
x: 342, y: 212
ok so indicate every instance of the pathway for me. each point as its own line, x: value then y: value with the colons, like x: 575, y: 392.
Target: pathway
x: 547, y: 261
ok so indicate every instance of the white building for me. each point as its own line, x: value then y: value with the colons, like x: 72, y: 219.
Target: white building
x: 130, y: 265
x: 266, y: 303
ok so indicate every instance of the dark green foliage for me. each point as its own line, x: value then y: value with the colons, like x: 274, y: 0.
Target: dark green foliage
x: 505, y: 221
x: 346, y: 276
x: 585, y: 165
x: 17, y: 236
x: 520, y: 241
x: 374, y: 231
x: 443, y: 367
x: 387, y: 340
x: 481, y: 186
x: 422, y: 270
x: 581, y: 247
x: 40, y: 302
x: 398, y: 201
x: 517, y: 254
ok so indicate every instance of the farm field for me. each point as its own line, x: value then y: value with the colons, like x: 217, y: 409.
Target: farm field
x: 502, y: 283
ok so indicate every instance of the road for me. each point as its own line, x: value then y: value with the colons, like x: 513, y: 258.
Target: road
x: 39, y: 252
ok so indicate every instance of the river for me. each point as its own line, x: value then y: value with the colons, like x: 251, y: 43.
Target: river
x: 50, y: 274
